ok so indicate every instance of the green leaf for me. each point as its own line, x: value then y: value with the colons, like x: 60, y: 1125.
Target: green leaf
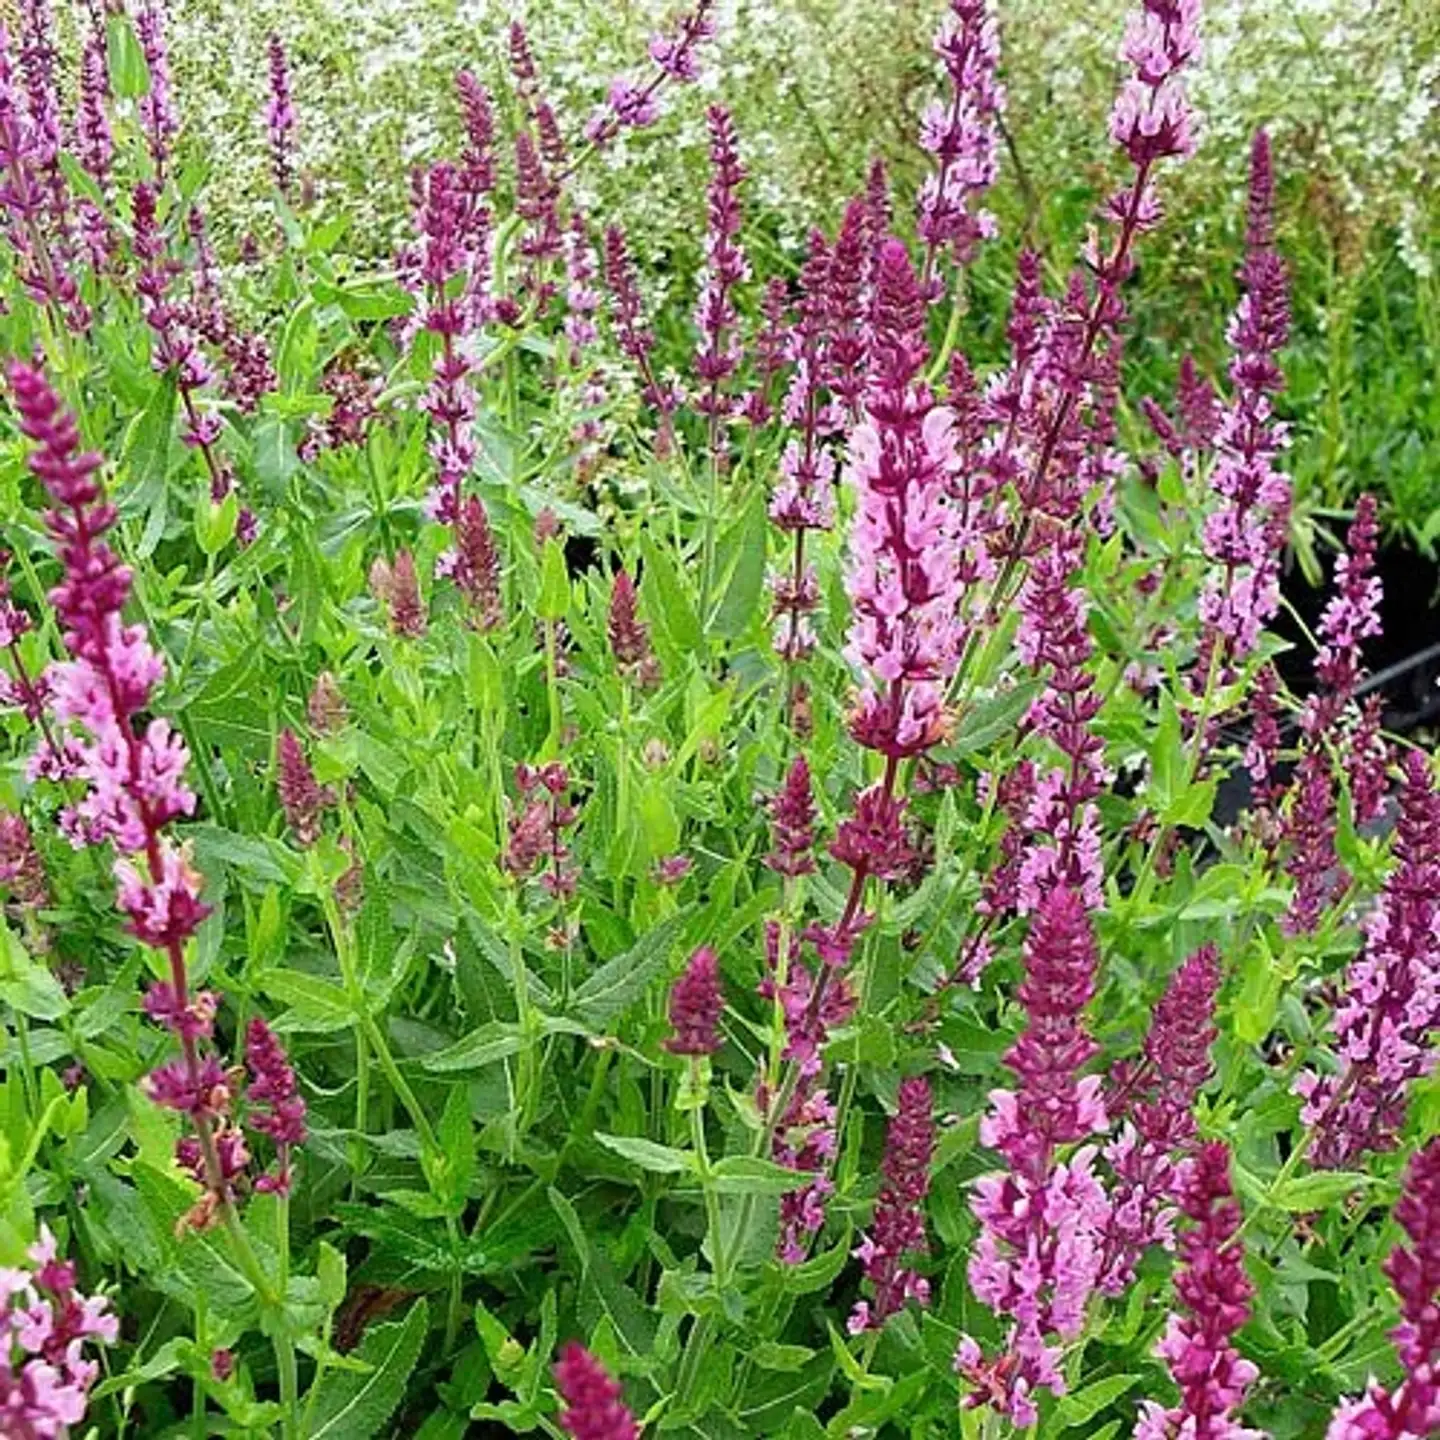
x: 330, y: 1271
x: 316, y: 1005
x: 617, y: 985
x: 355, y: 1407
x: 752, y: 1175
x: 658, y: 1159
x: 994, y: 719
x: 25, y: 985
x: 850, y: 1367
x: 452, y: 1172
x: 1322, y: 1190
x: 747, y: 579
x: 129, y: 74
x: 554, y: 601
x: 672, y: 609
x: 495, y: 1041
x: 215, y: 524
x: 570, y: 1219
x: 818, y: 1273
x: 165, y: 1361
x: 1085, y: 1404
x: 772, y: 1355
x: 148, y: 441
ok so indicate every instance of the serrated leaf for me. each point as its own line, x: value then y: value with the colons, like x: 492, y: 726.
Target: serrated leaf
x: 818, y: 1273
x: 482, y: 1047
x: 753, y: 1175
x: 1083, y: 1405
x: 747, y: 578
x: 570, y: 1219
x: 772, y: 1355
x: 315, y: 1004
x: 355, y: 1407
x: 1321, y: 1190
x: 658, y: 1159
x: 619, y: 983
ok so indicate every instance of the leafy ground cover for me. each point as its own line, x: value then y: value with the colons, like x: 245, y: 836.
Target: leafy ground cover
x: 583, y: 855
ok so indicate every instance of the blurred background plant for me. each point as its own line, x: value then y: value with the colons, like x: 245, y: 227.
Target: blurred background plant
x: 1349, y: 90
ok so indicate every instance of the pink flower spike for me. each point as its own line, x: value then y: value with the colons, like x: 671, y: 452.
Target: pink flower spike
x: 594, y: 1408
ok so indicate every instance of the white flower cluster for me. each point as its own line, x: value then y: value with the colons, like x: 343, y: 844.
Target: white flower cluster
x: 1349, y: 88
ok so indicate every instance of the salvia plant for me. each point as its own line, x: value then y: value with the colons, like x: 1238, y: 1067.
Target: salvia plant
x: 578, y: 865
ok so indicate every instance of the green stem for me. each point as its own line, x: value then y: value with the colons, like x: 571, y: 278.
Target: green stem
x: 340, y: 938
x: 401, y: 1086
x: 358, y: 1154
x: 27, y: 1068
x: 289, y: 1385
x: 552, y: 690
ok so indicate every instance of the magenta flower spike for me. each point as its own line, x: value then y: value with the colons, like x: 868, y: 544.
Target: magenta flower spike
x: 804, y: 498
x: 276, y: 1108
x: 902, y: 579
x: 34, y: 194
x: 94, y: 141
x: 1391, y: 1002
x: 594, y: 1408
x: 696, y: 1003
x: 899, y: 1226
x: 1412, y: 1408
x: 1062, y: 821
x: 961, y: 133
x: 1214, y: 1292
x: 45, y: 1324
x: 157, y: 111
x: 792, y: 823
x: 632, y: 104
x: 403, y: 600
x: 1244, y: 536
x: 302, y: 798
x: 1351, y: 617
x: 1155, y: 1098
x: 22, y: 872
x: 635, y: 339
x: 475, y: 564
x: 134, y: 772
x: 1039, y: 1255
x: 281, y: 118
x: 716, y: 318
x: 629, y: 635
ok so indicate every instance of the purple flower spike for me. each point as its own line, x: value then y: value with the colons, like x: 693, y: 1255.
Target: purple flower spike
x: 593, y: 1409
x: 1156, y: 1097
x: 1215, y: 1293
x: 302, y: 798
x: 1062, y: 821
x: 1351, y: 617
x: 1244, y: 537
x: 277, y: 1109
x: 792, y: 823
x: 962, y: 134
x: 696, y: 1002
x: 1391, y: 1003
x: 22, y: 872
x: 631, y: 104
x: 726, y: 267
x: 157, y: 112
x: 281, y: 119
x: 1040, y: 1251
x: 899, y: 1228
x: 1412, y: 1409
x: 903, y: 582
x: 629, y: 635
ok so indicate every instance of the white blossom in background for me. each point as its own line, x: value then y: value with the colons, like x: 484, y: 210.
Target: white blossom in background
x: 1350, y: 90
